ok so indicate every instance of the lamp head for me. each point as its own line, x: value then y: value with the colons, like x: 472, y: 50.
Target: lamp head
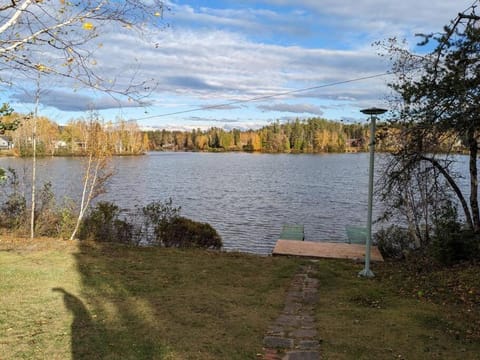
x: 373, y: 111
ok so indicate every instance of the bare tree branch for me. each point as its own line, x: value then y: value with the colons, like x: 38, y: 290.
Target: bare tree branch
x: 28, y: 27
x: 13, y: 20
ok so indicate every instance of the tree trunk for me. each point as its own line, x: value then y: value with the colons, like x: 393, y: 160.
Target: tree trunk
x: 473, y: 147
x: 34, y: 179
x: 34, y: 160
x: 456, y: 189
x: 83, y: 201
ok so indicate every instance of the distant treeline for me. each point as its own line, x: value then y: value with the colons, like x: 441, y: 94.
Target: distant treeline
x: 313, y: 135
x: 300, y: 136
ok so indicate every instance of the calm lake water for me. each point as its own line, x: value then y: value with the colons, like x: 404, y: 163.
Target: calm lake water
x: 246, y: 197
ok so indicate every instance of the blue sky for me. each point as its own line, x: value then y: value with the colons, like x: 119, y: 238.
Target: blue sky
x: 224, y: 52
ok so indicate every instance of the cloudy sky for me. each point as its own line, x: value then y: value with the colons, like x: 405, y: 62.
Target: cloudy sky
x: 302, y: 58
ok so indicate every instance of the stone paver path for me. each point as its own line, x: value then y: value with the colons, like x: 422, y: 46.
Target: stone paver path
x: 293, y: 335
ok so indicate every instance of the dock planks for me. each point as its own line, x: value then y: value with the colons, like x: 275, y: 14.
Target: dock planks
x: 325, y: 250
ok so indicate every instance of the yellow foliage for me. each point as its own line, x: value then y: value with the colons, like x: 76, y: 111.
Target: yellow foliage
x: 201, y: 141
x: 41, y: 67
x: 88, y: 26
x: 158, y: 14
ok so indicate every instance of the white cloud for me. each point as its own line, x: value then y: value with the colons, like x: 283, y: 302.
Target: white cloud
x: 218, y: 66
x: 419, y: 13
x: 293, y: 108
x: 214, y: 56
x: 370, y: 20
x: 66, y: 100
x: 248, y: 20
x: 225, y: 65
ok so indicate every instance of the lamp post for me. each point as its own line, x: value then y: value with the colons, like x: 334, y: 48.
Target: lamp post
x: 366, y: 272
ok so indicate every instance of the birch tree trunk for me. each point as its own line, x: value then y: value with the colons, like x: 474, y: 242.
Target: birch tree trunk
x: 34, y: 159
x: 82, y: 201
x: 97, y: 170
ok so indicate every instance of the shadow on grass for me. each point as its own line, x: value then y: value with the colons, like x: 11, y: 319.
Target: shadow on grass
x: 154, y: 303
x: 86, y: 342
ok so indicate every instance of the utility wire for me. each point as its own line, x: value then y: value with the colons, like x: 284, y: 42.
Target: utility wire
x: 217, y: 106
x: 259, y: 98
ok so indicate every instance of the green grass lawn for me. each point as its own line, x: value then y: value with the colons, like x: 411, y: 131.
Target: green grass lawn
x: 390, y: 317
x: 114, y: 302
x: 62, y: 300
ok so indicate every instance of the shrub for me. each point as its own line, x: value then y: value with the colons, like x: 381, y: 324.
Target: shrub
x: 453, y: 243
x: 453, y: 247
x: 183, y: 233
x: 394, y: 242
x: 67, y: 220
x: 46, y: 217
x: 157, y: 223
x: 151, y: 220
x: 248, y: 148
x: 13, y: 213
x: 103, y: 224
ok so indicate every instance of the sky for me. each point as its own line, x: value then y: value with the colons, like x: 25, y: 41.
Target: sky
x: 244, y: 64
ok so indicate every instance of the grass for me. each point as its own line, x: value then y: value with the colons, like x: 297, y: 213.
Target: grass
x: 65, y: 301
x: 389, y: 317
x: 62, y: 300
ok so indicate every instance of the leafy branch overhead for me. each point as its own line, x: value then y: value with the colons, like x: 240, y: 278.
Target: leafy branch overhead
x: 437, y: 107
x: 54, y: 36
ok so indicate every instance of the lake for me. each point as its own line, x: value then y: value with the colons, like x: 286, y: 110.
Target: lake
x: 246, y: 197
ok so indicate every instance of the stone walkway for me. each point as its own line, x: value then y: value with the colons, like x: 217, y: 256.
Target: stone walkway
x: 293, y: 335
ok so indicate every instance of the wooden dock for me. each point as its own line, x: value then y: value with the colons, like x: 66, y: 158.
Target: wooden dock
x: 327, y: 250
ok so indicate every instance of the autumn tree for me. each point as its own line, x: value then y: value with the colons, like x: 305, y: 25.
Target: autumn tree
x: 438, y: 98
x: 126, y: 138
x: 145, y: 143
x: 97, y: 169
x: 201, y: 141
x: 47, y: 134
